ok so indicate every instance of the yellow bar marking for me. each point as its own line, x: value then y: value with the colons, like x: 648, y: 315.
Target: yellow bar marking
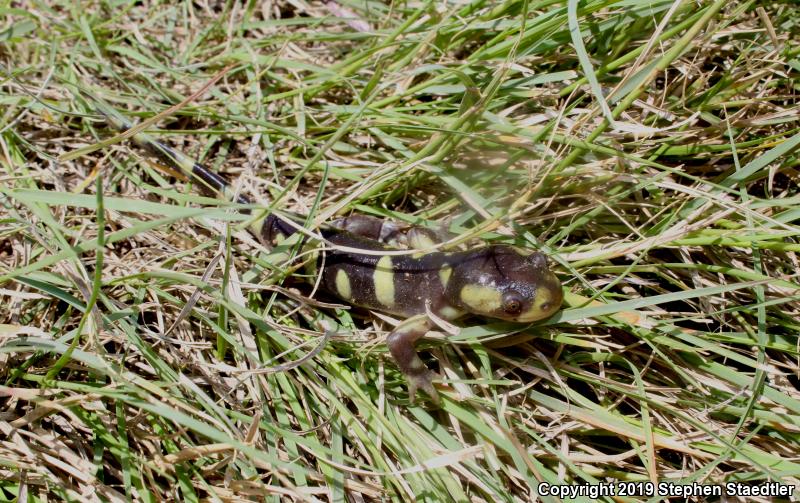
x: 444, y: 275
x: 343, y: 285
x: 481, y: 299
x: 383, y: 279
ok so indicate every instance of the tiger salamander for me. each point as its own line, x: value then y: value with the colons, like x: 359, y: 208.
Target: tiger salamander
x: 497, y: 281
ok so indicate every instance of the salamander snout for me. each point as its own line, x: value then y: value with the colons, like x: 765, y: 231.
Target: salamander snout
x: 544, y: 300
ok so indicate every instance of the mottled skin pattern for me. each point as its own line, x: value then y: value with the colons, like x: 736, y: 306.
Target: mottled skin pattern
x: 498, y: 281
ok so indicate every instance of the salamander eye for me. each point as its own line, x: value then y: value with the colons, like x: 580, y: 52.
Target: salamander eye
x: 512, y: 304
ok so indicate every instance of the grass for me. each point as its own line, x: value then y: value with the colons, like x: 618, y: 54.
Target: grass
x: 152, y: 349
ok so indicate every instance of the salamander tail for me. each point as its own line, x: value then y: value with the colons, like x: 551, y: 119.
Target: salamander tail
x: 171, y: 157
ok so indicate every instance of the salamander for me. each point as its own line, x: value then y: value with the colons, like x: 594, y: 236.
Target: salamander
x: 496, y: 281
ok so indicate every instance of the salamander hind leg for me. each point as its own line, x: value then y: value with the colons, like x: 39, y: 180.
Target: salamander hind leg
x: 401, y: 345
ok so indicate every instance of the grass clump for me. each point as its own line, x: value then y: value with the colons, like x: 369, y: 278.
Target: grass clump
x: 151, y: 349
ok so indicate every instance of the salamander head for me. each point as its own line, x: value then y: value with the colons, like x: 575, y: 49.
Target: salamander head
x: 505, y: 282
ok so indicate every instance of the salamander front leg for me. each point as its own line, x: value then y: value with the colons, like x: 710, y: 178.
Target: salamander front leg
x: 401, y: 345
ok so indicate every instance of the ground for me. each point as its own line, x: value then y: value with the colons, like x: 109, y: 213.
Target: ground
x: 152, y: 349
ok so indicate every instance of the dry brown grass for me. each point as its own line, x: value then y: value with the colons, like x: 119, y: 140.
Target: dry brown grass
x: 670, y: 215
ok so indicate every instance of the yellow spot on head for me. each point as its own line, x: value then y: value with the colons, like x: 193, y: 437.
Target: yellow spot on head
x: 481, y: 299
x: 343, y: 285
x: 383, y: 279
